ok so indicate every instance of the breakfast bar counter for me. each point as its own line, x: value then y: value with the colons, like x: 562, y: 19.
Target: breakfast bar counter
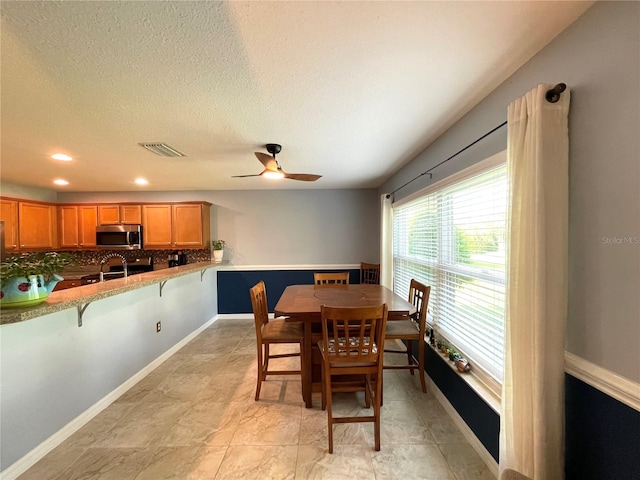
x: 81, y: 296
x: 64, y: 360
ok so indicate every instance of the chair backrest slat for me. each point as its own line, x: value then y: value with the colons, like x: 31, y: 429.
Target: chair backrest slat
x: 331, y: 280
x: 370, y: 273
x: 260, y: 309
x: 419, y: 297
x: 355, y: 334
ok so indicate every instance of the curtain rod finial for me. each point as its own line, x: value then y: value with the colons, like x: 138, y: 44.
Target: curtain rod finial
x: 553, y: 95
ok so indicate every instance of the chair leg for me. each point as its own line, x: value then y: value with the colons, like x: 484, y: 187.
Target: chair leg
x: 367, y: 392
x: 327, y: 382
x: 324, y: 388
x: 423, y: 381
x: 409, y: 352
x: 376, y: 414
x: 260, y: 373
x: 266, y: 357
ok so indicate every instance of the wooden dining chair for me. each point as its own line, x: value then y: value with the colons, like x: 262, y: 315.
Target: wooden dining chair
x: 370, y: 273
x: 273, y: 331
x: 412, y: 329
x: 331, y: 280
x: 352, y: 348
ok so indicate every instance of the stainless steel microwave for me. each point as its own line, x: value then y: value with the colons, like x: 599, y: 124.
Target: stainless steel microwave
x: 119, y: 237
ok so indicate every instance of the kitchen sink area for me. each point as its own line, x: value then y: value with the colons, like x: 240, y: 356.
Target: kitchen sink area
x: 118, y: 267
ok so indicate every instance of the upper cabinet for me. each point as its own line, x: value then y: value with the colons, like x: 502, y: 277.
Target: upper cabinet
x: 33, y: 225
x: 37, y: 226
x: 156, y: 225
x: 88, y: 220
x: 9, y: 215
x: 78, y: 226
x: 119, y: 214
x: 184, y: 225
x: 191, y: 224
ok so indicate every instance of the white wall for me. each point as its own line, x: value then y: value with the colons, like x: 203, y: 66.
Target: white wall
x: 280, y: 227
x: 29, y: 193
x: 598, y: 57
x: 53, y: 370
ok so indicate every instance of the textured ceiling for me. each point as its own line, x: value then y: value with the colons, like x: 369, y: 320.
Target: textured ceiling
x: 352, y: 90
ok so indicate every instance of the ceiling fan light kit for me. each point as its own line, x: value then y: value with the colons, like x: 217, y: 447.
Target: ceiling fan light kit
x: 274, y: 174
x: 272, y: 168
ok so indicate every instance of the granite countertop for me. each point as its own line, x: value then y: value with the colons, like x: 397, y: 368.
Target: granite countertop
x: 78, y: 296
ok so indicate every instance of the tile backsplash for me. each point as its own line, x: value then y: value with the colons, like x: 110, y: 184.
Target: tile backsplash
x: 93, y: 257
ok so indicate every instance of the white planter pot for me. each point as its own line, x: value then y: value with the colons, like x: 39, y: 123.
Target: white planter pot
x: 217, y: 255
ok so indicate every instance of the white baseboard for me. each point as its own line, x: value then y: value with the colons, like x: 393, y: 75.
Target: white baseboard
x: 616, y: 386
x: 235, y: 316
x: 35, y: 455
x: 477, y: 445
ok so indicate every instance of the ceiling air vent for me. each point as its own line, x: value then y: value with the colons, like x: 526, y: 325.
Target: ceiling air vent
x: 162, y: 149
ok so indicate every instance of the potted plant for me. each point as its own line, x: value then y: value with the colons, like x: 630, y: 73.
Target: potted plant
x: 218, y: 249
x: 453, y: 354
x: 28, y: 279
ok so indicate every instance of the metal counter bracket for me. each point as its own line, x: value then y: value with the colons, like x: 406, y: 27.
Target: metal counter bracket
x: 81, y: 309
x: 202, y: 273
x: 162, y: 283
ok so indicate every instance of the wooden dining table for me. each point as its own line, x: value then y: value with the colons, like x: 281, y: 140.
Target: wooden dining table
x: 301, y: 303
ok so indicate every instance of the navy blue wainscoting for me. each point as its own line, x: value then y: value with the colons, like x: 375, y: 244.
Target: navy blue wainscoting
x: 602, y: 435
x: 234, y: 285
x: 479, y: 417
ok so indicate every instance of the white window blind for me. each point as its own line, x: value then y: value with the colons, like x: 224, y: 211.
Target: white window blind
x: 453, y: 238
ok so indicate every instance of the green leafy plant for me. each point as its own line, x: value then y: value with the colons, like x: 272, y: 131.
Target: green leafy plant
x: 217, y: 244
x: 39, y: 263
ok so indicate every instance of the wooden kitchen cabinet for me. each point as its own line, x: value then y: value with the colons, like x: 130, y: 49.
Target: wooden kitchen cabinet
x: 190, y: 226
x: 184, y: 225
x: 156, y: 226
x: 68, y: 215
x: 119, y: 214
x: 33, y: 225
x: 88, y: 217
x: 37, y: 228
x: 9, y: 215
x: 78, y: 226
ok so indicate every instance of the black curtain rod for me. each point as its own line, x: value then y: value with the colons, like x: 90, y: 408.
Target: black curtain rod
x: 552, y: 96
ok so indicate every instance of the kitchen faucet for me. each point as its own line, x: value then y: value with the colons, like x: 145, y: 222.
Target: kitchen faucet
x: 113, y: 255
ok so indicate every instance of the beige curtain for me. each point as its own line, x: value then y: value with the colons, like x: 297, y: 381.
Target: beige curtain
x: 532, y: 418
x: 386, y: 242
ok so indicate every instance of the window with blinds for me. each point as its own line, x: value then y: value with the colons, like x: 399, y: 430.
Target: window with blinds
x: 453, y: 238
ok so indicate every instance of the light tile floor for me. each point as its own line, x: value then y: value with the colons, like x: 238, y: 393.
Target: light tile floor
x: 194, y: 417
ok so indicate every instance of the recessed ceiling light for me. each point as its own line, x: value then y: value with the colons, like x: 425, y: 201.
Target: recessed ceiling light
x: 141, y: 181
x: 61, y: 156
x: 60, y: 181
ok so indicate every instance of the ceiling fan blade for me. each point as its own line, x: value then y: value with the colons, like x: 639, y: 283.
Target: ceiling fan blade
x: 243, y: 176
x: 267, y: 160
x: 305, y: 177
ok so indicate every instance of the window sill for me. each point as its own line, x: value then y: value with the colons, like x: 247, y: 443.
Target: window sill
x: 480, y: 387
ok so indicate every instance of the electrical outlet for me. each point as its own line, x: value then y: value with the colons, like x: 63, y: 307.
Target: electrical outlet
x: 158, y: 326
